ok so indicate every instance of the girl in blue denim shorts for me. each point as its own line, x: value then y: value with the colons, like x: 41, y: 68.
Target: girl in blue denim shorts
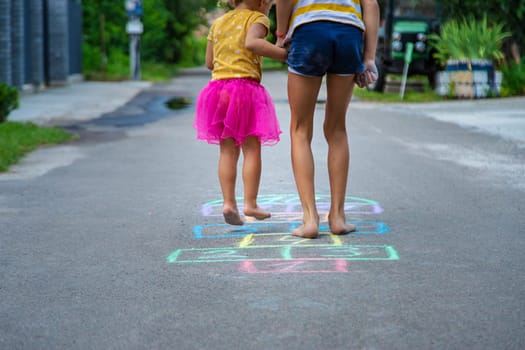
x: 336, y: 39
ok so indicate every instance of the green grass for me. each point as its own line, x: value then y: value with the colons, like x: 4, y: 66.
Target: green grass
x: 18, y: 139
x: 410, y: 96
x: 158, y: 72
x: 154, y: 72
x: 119, y: 71
x: 389, y: 97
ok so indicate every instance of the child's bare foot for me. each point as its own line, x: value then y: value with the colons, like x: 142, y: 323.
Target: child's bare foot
x: 341, y: 227
x: 231, y: 216
x: 306, y: 231
x: 257, y: 213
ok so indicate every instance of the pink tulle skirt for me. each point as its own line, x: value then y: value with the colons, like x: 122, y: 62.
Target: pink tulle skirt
x: 236, y: 108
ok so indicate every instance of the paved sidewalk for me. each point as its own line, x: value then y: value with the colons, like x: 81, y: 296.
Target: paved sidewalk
x: 504, y: 117
x: 79, y: 101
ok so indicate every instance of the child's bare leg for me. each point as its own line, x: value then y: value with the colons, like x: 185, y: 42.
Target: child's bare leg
x: 229, y: 155
x: 302, y: 94
x: 338, y: 98
x: 251, y: 175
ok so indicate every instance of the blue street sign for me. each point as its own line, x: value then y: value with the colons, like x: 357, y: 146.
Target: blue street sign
x: 134, y: 8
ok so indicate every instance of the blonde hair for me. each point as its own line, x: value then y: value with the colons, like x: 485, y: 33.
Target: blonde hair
x: 234, y: 3
x: 231, y: 3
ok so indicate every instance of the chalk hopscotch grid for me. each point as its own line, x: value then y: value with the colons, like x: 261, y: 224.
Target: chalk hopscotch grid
x: 268, y: 247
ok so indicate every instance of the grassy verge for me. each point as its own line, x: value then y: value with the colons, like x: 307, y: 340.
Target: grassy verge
x: 155, y: 72
x: 409, y: 97
x: 18, y: 139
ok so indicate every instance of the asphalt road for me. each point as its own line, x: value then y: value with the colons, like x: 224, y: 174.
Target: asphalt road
x: 115, y: 241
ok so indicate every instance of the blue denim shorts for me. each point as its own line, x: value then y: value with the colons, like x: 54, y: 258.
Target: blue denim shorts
x: 324, y: 47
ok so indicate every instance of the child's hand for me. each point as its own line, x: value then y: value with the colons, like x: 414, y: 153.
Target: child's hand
x: 368, y: 76
x: 284, y: 54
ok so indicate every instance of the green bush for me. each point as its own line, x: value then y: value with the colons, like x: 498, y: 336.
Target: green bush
x: 193, y: 52
x: 118, y: 64
x: 8, y: 100
x: 114, y: 67
x: 513, y: 79
x: 509, y: 12
x: 469, y: 39
x: 91, y: 58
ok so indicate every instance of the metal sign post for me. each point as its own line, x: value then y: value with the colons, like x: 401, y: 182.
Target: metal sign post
x: 408, y: 60
x: 134, y: 28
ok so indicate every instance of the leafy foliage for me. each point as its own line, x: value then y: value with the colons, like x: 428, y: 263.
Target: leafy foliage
x: 510, y: 13
x: 513, y: 79
x: 184, y: 18
x: 8, y: 100
x: 168, y: 32
x: 469, y: 39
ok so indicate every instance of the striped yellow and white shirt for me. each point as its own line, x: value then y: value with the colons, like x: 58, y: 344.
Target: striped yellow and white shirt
x: 341, y: 11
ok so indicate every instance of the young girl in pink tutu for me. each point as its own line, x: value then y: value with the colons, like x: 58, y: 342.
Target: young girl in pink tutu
x: 234, y: 110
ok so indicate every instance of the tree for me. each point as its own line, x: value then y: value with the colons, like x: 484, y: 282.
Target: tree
x: 104, y: 23
x: 167, y: 25
x: 184, y: 18
x: 155, y: 39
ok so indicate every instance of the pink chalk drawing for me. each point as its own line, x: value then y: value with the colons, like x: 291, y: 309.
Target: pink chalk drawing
x: 294, y: 266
